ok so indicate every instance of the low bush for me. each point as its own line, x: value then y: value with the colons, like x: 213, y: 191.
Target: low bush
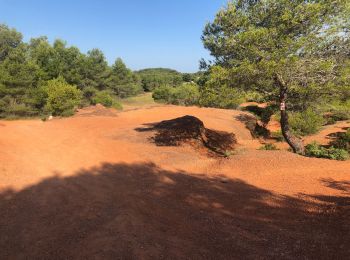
x: 186, y: 94
x: 318, y: 151
x: 269, y: 147
x: 306, y: 123
x: 340, y: 110
x: 103, y: 98
x: 106, y: 99
x: 163, y: 94
x: 62, y: 98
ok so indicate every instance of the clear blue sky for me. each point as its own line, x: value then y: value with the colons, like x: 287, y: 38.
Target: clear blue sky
x: 144, y: 33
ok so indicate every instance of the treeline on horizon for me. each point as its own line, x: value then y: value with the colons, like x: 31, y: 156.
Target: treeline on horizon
x: 39, y: 78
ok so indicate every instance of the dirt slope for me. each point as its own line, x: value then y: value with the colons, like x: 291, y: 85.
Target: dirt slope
x: 93, y: 187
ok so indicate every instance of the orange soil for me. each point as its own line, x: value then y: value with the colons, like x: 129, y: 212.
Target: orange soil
x: 91, y: 186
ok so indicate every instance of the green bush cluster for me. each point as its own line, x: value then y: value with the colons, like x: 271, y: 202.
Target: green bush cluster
x: 318, y: 151
x: 106, y: 98
x: 306, y: 122
x: 186, y: 94
x: 60, y: 98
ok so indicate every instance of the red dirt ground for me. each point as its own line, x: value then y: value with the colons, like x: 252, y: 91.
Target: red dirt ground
x: 93, y: 187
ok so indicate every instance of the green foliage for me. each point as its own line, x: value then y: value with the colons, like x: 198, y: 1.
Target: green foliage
x: 263, y: 113
x: 106, y: 99
x: 103, y: 98
x: 89, y: 92
x: 217, y: 91
x: 186, y: 94
x: 157, y: 77
x: 9, y: 40
x: 62, y: 98
x: 139, y: 100
x: 269, y: 147
x: 342, y: 140
x: 290, y: 51
x: 163, y: 94
x: 339, y: 110
x: 318, y: 151
x: 306, y: 122
x: 26, y: 67
x: 123, y: 82
x: 254, y: 96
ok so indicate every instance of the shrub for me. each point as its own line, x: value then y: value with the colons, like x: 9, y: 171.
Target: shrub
x: 163, y: 94
x: 343, y: 141
x: 186, y: 94
x: 89, y: 92
x: 103, y: 98
x: 268, y: 146
x: 62, y: 98
x: 12, y: 108
x: 318, y: 151
x: 117, y: 105
x: 340, y: 110
x: 306, y: 122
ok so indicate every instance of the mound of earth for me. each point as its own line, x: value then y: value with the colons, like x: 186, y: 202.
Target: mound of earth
x: 191, y: 130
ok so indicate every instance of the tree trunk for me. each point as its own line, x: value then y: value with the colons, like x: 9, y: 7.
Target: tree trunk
x: 295, y: 143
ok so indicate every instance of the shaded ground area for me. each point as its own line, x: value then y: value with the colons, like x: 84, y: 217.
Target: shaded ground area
x: 140, y: 211
x: 191, y: 130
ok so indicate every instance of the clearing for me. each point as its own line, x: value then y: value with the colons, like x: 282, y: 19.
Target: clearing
x: 95, y: 186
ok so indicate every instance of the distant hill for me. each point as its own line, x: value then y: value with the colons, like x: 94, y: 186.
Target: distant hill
x: 158, y: 70
x: 152, y: 78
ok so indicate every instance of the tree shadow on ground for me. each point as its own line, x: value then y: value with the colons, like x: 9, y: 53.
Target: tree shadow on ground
x: 251, y: 123
x: 140, y: 211
x: 337, y: 185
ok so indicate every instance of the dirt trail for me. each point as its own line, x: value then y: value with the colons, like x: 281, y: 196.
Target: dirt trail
x: 91, y: 186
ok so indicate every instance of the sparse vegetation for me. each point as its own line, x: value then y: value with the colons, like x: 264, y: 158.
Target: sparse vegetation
x: 316, y: 150
x: 342, y: 140
x: 269, y: 147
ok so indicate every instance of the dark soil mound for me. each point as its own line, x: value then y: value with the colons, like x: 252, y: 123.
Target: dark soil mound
x: 191, y: 130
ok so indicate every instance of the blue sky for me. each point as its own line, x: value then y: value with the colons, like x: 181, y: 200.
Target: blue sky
x: 144, y: 33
